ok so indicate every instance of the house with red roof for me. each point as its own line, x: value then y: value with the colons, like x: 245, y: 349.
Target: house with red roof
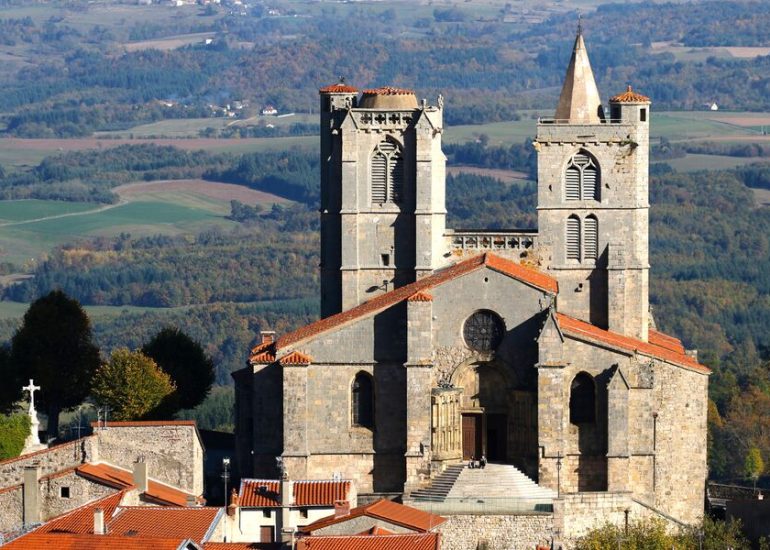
x: 533, y: 348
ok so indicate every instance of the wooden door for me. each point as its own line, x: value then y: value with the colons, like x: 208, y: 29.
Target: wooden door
x: 266, y: 533
x: 471, y: 436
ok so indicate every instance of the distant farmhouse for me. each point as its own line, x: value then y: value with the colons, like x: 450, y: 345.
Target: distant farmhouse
x: 533, y: 349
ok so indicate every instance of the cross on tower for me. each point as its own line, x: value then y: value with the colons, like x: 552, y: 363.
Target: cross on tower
x: 32, y: 388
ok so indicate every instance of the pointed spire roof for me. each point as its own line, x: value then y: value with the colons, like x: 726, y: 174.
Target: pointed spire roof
x: 579, y: 102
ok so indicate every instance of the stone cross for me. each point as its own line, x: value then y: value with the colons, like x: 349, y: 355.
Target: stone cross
x: 32, y: 388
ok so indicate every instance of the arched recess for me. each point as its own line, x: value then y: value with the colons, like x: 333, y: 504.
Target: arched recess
x: 582, y: 399
x: 362, y: 401
x: 387, y: 173
x: 582, y: 178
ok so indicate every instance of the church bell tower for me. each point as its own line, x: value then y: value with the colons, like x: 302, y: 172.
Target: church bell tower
x: 593, y: 201
x: 382, y: 193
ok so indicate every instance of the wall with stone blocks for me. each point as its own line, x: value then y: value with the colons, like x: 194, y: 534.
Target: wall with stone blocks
x: 50, y: 461
x: 173, y: 453
x: 11, y: 509
x: 576, y: 514
x: 81, y: 492
x: 468, y: 532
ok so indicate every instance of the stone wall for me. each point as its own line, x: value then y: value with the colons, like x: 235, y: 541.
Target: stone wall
x: 468, y: 532
x: 172, y: 451
x: 50, y: 460
x: 576, y: 514
x: 11, y: 508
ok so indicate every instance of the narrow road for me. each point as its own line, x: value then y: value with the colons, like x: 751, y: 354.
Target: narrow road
x: 70, y: 214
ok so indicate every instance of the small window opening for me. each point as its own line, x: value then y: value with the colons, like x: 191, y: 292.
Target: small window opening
x: 385, y: 260
x: 266, y: 514
x: 303, y: 513
x: 64, y: 492
x: 643, y: 115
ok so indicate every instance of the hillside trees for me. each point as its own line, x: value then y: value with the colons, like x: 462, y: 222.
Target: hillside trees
x: 14, y: 430
x: 184, y: 360
x: 131, y: 385
x: 10, y: 389
x: 54, y: 347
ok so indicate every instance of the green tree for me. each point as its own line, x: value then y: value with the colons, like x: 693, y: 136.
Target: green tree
x: 184, y: 360
x: 14, y: 430
x: 10, y: 389
x: 54, y: 347
x: 131, y: 385
x: 753, y: 465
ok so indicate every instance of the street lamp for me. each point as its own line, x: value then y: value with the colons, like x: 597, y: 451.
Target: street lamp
x: 225, y: 477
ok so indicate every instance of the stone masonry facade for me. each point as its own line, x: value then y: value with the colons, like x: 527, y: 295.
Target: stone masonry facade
x: 535, y: 349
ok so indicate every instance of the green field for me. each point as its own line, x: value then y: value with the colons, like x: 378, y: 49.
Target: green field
x: 24, y: 210
x: 694, y: 163
x: 16, y: 310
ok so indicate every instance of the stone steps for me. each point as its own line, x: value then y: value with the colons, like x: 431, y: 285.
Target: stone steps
x: 440, y: 487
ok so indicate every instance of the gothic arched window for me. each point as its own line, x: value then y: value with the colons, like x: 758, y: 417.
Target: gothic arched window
x: 387, y: 173
x: 582, y: 399
x: 362, y: 401
x: 573, y: 238
x: 590, y: 238
x: 582, y: 178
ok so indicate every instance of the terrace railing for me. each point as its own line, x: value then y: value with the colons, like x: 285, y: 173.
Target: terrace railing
x: 463, y: 239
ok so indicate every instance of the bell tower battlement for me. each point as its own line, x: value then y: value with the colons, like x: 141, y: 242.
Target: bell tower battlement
x: 593, y: 201
x: 383, y: 208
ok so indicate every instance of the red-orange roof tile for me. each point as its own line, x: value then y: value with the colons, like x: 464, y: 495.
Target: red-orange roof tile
x: 320, y: 493
x: 194, y: 523
x: 630, y: 96
x: 421, y: 541
x: 525, y: 274
x: 262, y: 358
x: 36, y: 541
x: 264, y: 493
x: 259, y: 348
x: 123, y: 479
x: 339, y: 88
x: 259, y: 493
x: 388, y: 90
x: 242, y: 546
x: 387, y: 510
x: 665, y: 341
x: 81, y: 520
x: 376, y: 530
x: 581, y: 329
x: 295, y: 358
x: 420, y: 296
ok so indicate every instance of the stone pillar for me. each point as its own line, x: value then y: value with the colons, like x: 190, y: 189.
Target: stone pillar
x: 552, y: 415
x: 287, y: 498
x: 418, y: 395
x: 31, y: 495
x: 617, y: 433
x: 140, y: 476
x: 295, y: 450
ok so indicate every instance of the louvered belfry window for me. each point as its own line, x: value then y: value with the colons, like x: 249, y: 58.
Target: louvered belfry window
x: 581, y: 181
x: 591, y: 238
x: 387, y: 174
x: 573, y: 238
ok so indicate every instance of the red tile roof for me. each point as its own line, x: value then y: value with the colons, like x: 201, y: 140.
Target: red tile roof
x: 320, y: 493
x: 36, y: 541
x: 386, y: 510
x: 262, y: 358
x: 259, y: 493
x: 295, y: 358
x: 123, y: 479
x: 630, y: 96
x: 422, y: 541
x: 242, y: 546
x: 388, y: 90
x: 376, y: 530
x: 420, y: 296
x: 659, y: 346
x: 195, y: 523
x: 517, y: 271
x: 81, y: 520
x: 339, y: 88
x: 264, y: 493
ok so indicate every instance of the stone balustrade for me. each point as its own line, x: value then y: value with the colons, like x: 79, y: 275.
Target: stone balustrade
x: 492, y: 240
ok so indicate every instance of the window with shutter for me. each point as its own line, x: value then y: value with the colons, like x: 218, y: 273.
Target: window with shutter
x: 573, y: 238
x: 591, y: 238
x: 581, y: 180
x: 387, y: 173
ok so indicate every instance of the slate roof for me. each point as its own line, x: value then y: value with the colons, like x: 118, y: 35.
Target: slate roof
x: 525, y: 274
x: 659, y: 345
x: 264, y: 493
x: 386, y: 510
x: 421, y: 541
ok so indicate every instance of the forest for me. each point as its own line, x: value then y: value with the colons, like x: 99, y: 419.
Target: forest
x: 80, y: 80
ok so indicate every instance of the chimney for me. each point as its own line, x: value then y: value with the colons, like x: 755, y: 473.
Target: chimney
x: 140, y: 476
x: 99, y: 522
x: 287, y: 499
x: 191, y: 501
x: 268, y: 336
x: 341, y: 508
x: 234, y: 503
x: 31, y: 494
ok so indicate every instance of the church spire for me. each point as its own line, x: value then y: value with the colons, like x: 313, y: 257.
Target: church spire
x: 579, y: 102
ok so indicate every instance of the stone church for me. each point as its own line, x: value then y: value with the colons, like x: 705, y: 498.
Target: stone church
x: 534, y: 348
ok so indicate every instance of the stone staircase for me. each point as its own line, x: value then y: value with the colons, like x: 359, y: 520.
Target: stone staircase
x: 496, y: 481
x: 441, y: 486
